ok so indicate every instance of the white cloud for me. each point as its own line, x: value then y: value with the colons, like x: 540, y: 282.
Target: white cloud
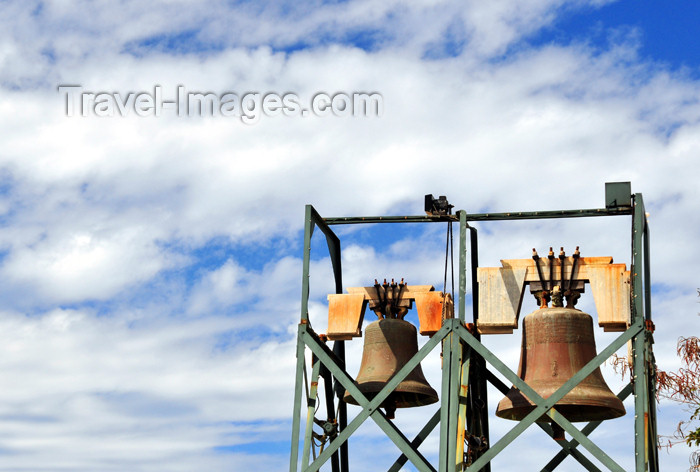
x: 84, y: 266
x: 131, y: 393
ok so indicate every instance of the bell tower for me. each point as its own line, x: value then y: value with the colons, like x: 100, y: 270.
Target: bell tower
x: 558, y: 381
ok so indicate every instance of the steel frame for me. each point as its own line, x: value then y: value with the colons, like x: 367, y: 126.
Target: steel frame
x: 465, y: 359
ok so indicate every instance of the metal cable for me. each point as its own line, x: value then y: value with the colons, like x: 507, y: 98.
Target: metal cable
x: 449, y: 257
x: 452, y: 259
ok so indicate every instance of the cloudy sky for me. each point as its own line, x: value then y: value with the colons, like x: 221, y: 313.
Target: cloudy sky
x: 151, y: 264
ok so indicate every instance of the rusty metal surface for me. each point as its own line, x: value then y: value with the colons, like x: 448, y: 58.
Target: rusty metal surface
x: 389, y: 344
x: 557, y: 343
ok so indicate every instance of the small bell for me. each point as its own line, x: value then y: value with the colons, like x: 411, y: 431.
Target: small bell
x: 389, y: 344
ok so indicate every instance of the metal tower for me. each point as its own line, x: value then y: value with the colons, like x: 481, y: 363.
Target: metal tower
x: 468, y: 365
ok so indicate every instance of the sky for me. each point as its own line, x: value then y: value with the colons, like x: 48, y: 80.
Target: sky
x: 150, y: 252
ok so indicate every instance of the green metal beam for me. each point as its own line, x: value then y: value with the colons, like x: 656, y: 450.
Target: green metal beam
x: 402, y: 442
x: 369, y: 407
x: 537, y: 215
x: 313, y: 219
x: 355, y: 220
x: 328, y: 359
x: 585, y: 441
x: 568, y: 450
x: 588, y: 429
x: 304, y: 317
x: 543, y: 405
x: 333, y: 248
x: 641, y: 402
x: 650, y: 368
x: 639, y: 356
x: 308, y: 232
x: 567, y: 386
x: 446, y: 400
x: 518, y: 215
x: 298, y: 392
x: 462, y: 264
x: 417, y: 441
x: 453, y: 394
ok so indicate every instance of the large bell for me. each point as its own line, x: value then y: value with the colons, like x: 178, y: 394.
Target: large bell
x: 557, y: 343
x: 389, y: 345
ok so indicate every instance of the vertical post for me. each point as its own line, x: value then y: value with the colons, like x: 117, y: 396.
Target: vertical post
x: 479, y: 388
x: 650, y: 374
x: 451, y: 358
x: 450, y: 425
x: 462, y: 263
x: 639, y: 357
x: 308, y: 232
x: 449, y: 412
x: 453, y: 394
x: 654, y: 451
x: 445, y: 457
x: 299, y: 383
x: 296, y: 415
x: 647, y: 268
x: 473, y: 240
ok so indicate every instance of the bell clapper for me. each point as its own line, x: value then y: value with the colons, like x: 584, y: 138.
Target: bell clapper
x: 558, y: 432
x: 389, y: 411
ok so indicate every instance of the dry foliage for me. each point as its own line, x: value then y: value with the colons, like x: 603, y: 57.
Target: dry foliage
x: 682, y: 386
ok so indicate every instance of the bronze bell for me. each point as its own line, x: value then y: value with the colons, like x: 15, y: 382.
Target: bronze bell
x: 557, y: 342
x: 389, y: 344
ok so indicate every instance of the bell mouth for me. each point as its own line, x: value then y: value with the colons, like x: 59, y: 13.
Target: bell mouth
x: 593, y: 405
x: 412, y: 394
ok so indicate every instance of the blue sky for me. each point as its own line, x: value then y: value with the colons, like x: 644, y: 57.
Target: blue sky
x: 665, y: 30
x: 151, y: 265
